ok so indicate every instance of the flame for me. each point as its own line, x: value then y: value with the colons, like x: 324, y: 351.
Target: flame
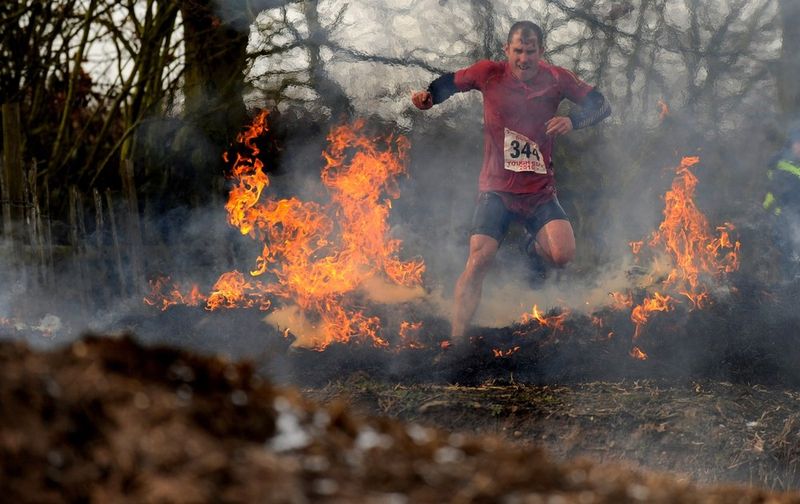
x: 409, y: 334
x: 233, y: 290
x: 315, y: 255
x: 685, y: 235
x: 554, y: 322
x: 621, y: 301
x: 686, y: 256
x: 641, y: 313
x: 686, y: 250
x: 499, y: 353
x: 637, y: 353
x: 699, y: 300
x: 174, y: 294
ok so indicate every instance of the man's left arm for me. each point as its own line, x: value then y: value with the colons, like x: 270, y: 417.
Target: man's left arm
x: 592, y: 105
x: 593, y: 109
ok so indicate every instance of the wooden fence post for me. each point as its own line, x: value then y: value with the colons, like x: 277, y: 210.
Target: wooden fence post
x: 77, y: 235
x: 33, y: 218
x: 101, y: 254
x: 123, y: 283
x: 13, y: 175
x: 5, y: 199
x: 48, y: 235
x: 134, y: 227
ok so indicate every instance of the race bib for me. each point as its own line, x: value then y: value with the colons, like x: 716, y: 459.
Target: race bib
x: 521, y: 154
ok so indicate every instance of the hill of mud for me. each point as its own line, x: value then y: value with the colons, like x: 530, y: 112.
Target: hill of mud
x: 108, y: 420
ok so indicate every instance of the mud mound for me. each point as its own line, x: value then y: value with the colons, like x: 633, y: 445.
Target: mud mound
x: 108, y: 420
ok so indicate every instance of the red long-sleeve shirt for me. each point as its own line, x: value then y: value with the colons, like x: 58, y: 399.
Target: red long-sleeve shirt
x: 517, y: 152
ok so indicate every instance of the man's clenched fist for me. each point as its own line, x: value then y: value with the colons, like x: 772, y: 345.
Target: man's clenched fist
x: 422, y: 100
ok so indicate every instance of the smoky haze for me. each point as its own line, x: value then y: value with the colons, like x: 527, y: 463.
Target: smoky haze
x: 319, y: 63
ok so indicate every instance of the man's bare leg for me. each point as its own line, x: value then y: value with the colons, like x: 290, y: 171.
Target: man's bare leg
x: 482, y: 249
x: 555, y: 242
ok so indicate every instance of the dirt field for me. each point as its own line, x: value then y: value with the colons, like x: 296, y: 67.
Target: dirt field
x: 108, y: 420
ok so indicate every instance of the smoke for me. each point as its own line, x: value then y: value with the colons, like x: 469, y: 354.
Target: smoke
x: 381, y: 291
x: 610, y: 178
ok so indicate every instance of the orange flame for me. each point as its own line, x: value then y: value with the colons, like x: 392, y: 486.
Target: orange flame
x: 314, y: 255
x: 499, y: 353
x: 174, y: 294
x: 409, y: 334
x: 686, y: 236
x: 637, y: 353
x: 554, y: 322
x: 695, y: 252
x: 621, y: 301
x: 641, y: 313
x: 232, y: 290
x: 692, y: 254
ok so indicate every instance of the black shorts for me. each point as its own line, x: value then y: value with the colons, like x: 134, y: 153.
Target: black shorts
x: 492, y: 217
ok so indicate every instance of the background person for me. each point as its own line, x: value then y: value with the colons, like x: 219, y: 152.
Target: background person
x: 782, y: 201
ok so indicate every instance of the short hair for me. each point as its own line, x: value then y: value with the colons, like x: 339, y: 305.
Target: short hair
x: 526, y: 28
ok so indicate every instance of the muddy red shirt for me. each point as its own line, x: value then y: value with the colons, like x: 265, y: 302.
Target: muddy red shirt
x: 517, y: 152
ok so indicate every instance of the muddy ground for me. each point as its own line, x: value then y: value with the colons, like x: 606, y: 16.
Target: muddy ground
x: 109, y: 420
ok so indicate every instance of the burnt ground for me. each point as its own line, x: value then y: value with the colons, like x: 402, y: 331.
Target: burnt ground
x: 716, y: 401
x: 109, y: 420
x: 703, y: 431
x: 115, y: 419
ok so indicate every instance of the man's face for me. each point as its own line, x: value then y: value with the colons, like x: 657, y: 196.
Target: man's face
x: 523, y: 53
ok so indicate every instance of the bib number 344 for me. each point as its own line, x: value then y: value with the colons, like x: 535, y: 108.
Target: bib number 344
x: 522, y: 154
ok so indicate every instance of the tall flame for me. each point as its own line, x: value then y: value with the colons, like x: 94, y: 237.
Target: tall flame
x: 694, y: 251
x: 315, y: 255
x: 686, y: 236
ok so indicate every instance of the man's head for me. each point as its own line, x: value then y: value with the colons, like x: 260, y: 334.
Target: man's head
x: 796, y: 148
x: 793, y: 139
x: 524, y: 47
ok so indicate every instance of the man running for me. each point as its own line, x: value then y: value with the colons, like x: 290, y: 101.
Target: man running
x: 520, y: 99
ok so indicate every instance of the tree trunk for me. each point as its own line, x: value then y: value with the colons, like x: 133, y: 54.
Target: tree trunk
x: 789, y: 70
x: 215, y: 64
x: 329, y: 90
x: 214, y: 107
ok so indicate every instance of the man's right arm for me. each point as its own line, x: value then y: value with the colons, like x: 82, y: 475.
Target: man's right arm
x: 439, y: 90
x: 443, y: 88
x: 447, y: 85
